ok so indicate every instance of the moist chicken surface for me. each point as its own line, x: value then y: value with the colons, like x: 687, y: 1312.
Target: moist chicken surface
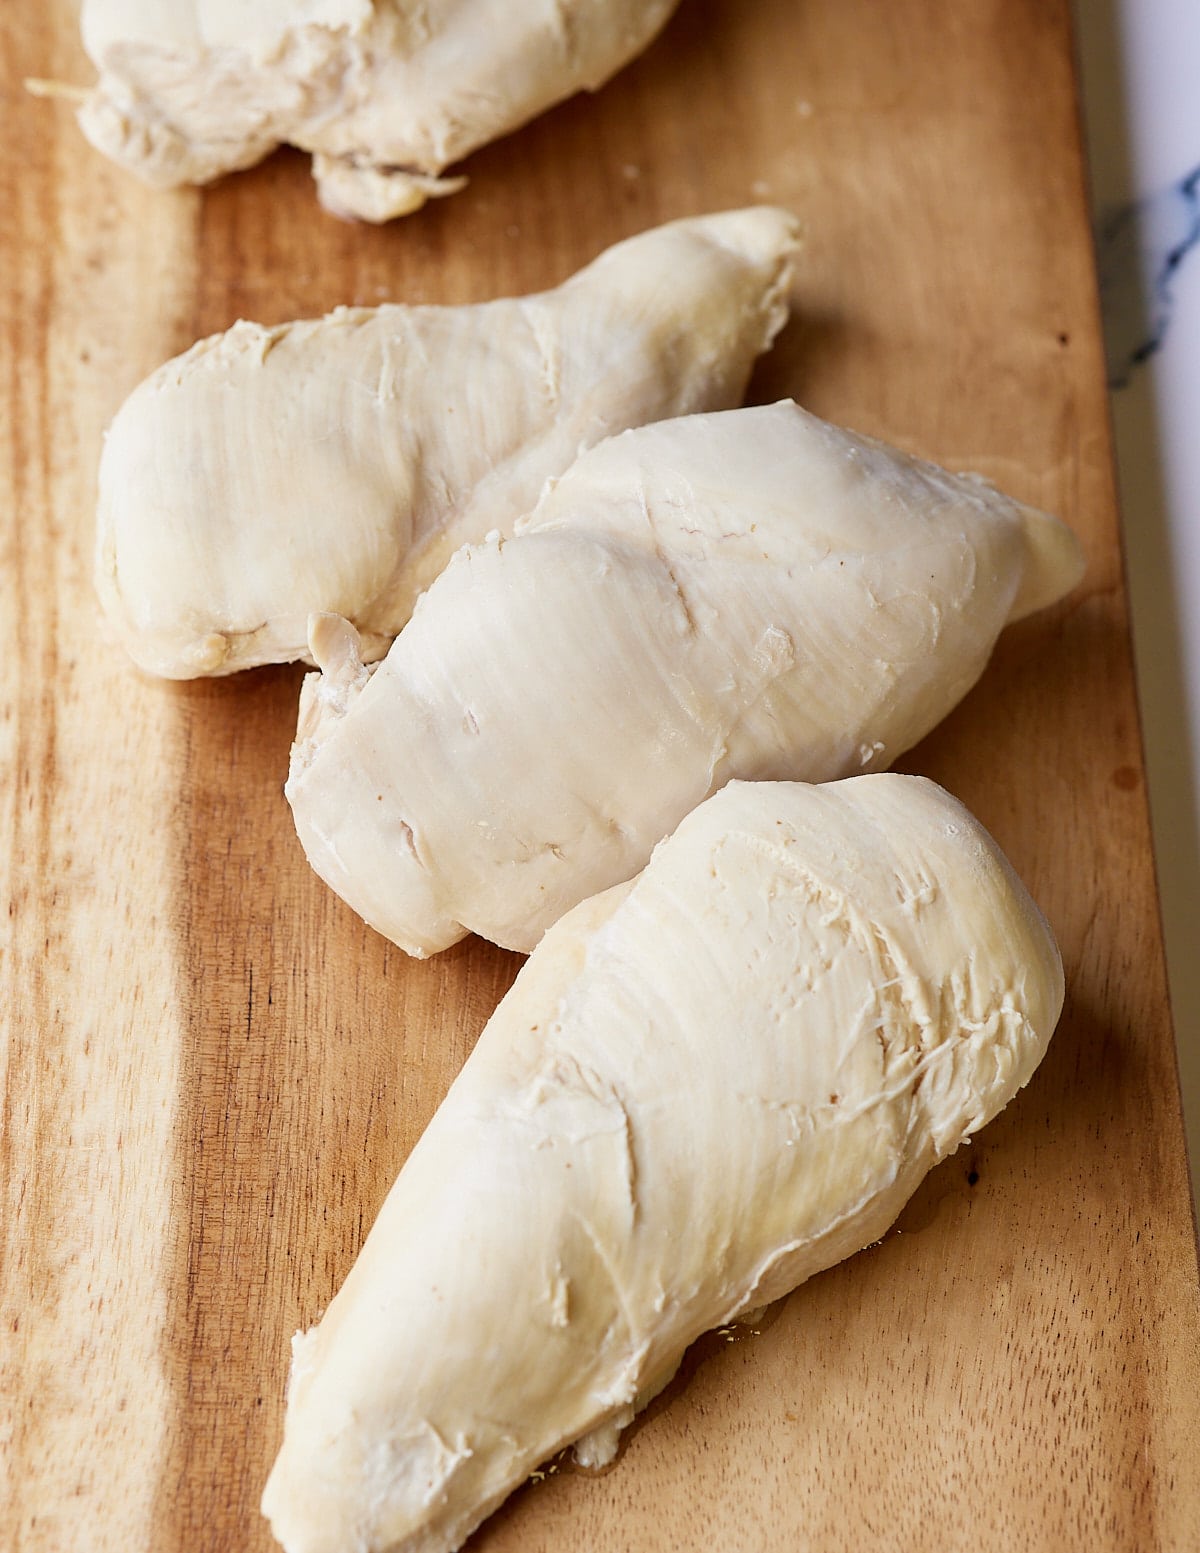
x: 704, y: 1087
x: 385, y: 93
x: 752, y: 594
x: 335, y: 464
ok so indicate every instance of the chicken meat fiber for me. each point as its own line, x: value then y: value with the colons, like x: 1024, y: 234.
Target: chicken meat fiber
x: 335, y: 464
x: 386, y: 94
x: 752, y: 594
x: 705, y: 1086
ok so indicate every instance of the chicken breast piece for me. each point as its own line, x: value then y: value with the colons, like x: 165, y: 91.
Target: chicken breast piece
x: 753, y: 594
x: 703, y: 1088
x: 335, y: 464
x: 385, y: 93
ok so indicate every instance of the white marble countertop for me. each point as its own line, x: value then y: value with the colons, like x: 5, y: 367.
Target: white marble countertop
x: 1140, y: 64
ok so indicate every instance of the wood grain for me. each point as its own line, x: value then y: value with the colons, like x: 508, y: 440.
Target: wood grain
x: 213, y: 1071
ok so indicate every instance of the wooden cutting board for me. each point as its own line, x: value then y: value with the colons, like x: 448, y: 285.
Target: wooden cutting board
x: 214, y: 1071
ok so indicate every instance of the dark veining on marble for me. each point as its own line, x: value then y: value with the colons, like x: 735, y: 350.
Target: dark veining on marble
x: 1151, y: 237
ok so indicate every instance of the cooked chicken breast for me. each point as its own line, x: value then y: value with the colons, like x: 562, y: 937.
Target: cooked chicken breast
x: 385, y: 93
x: 750, y: 594
x: 334, y: 465
x: 704, y: 1087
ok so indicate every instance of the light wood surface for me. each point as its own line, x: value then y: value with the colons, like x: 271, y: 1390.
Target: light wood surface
x: 213, y: 1070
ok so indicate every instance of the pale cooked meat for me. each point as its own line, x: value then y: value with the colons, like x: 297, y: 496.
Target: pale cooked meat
x: 704, y: 1087
x: 750, y: 594
x: 335, y: 464
x: 385, y: 93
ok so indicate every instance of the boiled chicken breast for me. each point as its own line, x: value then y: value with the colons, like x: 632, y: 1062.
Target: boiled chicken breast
x: 335, y: 464
x: 751, y: 594
x: 704, y: 1087
x: 385, y: 93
